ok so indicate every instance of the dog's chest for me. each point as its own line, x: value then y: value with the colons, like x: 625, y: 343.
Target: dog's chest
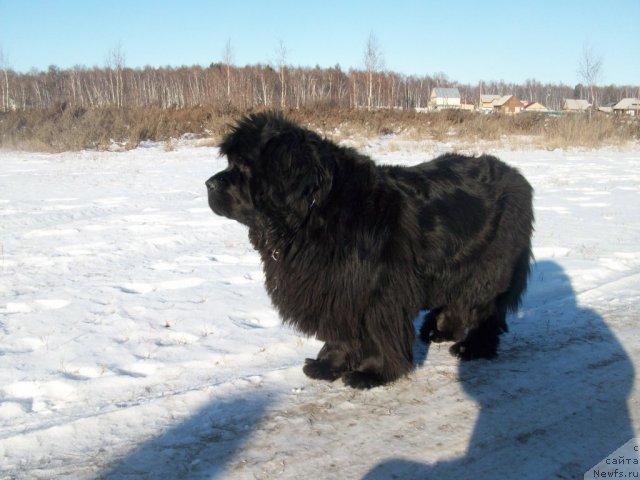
x: 311, y: 294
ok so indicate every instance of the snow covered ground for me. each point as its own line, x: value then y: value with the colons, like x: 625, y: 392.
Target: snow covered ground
x: 137, y: 341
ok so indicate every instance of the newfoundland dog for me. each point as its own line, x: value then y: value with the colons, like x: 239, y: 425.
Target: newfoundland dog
x: 352, y: 251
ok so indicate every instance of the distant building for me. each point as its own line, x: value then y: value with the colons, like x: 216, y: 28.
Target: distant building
x: 575, y: 106
x: 486, y: 102
x: 443, y: 98
x: 607, y: 108
x: 627, y: 106
x: 508, y: 105
x: 536, y: 107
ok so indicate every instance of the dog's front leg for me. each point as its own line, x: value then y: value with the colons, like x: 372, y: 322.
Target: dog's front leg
x: 333, y: 360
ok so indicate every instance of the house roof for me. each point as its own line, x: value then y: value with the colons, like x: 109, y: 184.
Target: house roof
x: 570, y: 104
x: 627, y: 104
x: 498, y: 102
x: 535, y: 106
x: 446, y: 92
x: 486, y: 98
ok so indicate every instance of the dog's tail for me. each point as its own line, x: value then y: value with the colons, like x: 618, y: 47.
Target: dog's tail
x: 522, y: 269
x: 520, y: 217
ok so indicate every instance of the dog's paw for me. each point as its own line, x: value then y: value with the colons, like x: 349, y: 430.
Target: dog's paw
x: 429, y: 332
x: 320, y: 370
x: 362, y: 380
x: 433, y: 335
x: 470, y: 351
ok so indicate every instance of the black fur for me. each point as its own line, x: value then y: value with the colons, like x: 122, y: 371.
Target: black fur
x: 353, y: 251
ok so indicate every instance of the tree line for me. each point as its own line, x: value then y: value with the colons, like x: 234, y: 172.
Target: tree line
x: 223, y: 86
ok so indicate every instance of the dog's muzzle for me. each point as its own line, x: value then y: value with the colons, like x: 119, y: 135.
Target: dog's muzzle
x: 214, y: 194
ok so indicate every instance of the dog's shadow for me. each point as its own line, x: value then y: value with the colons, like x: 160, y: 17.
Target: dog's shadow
x: 202, y: 446
x: 552, y: 405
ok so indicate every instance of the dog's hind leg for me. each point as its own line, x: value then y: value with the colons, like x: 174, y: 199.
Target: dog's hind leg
x: 487, y: 322
x: 482, y: 335
x: 440, y: 325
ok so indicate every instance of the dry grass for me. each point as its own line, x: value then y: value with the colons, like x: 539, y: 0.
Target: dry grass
x: 542, y: 131
x: 73, y: 128
x: 582, y: 131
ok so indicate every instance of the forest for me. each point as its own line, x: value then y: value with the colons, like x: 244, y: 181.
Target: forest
x: 99, y: 107
x: 224, y: 87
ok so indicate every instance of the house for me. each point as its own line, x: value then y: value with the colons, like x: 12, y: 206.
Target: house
x: 607, y: 107
x: 486, y: 102
x: 443, y: 98
x: 535, y: 107
x: 508, y: 104
x: 575, y: 106
x: 627, y: 106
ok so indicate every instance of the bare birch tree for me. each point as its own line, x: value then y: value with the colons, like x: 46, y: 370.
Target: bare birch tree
x: 115, y: 65
x: 227, y: 56
x: 281, y: 58
x: 373, y: 61
x: 590, y: 70
x: 5, y: 87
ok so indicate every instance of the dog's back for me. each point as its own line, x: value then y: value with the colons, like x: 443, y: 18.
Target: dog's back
x: 475, y: 216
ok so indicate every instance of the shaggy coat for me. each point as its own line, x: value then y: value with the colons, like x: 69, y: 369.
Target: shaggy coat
x: 352, y: 251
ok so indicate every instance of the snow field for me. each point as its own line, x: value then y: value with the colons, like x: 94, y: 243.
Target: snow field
x: 137, y: 341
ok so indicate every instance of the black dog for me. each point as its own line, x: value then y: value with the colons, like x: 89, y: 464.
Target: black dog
x: 353, y: 251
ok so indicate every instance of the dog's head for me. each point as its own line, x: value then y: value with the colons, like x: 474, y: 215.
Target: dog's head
x: 276, y: 170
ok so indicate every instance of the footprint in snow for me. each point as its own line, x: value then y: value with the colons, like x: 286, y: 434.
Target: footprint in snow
x: 56, y: 232
x: 41, y: 305
x: 225, y: 259
x: 256, y: 320
x: 249, y: 277
x: 178, y: 284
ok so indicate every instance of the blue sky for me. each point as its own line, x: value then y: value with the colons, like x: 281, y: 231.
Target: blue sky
x: 467, y: 40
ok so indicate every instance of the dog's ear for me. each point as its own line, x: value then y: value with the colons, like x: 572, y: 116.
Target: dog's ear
x: 298, y: 174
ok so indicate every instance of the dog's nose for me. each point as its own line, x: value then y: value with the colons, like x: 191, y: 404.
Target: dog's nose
x: 211, y: 184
